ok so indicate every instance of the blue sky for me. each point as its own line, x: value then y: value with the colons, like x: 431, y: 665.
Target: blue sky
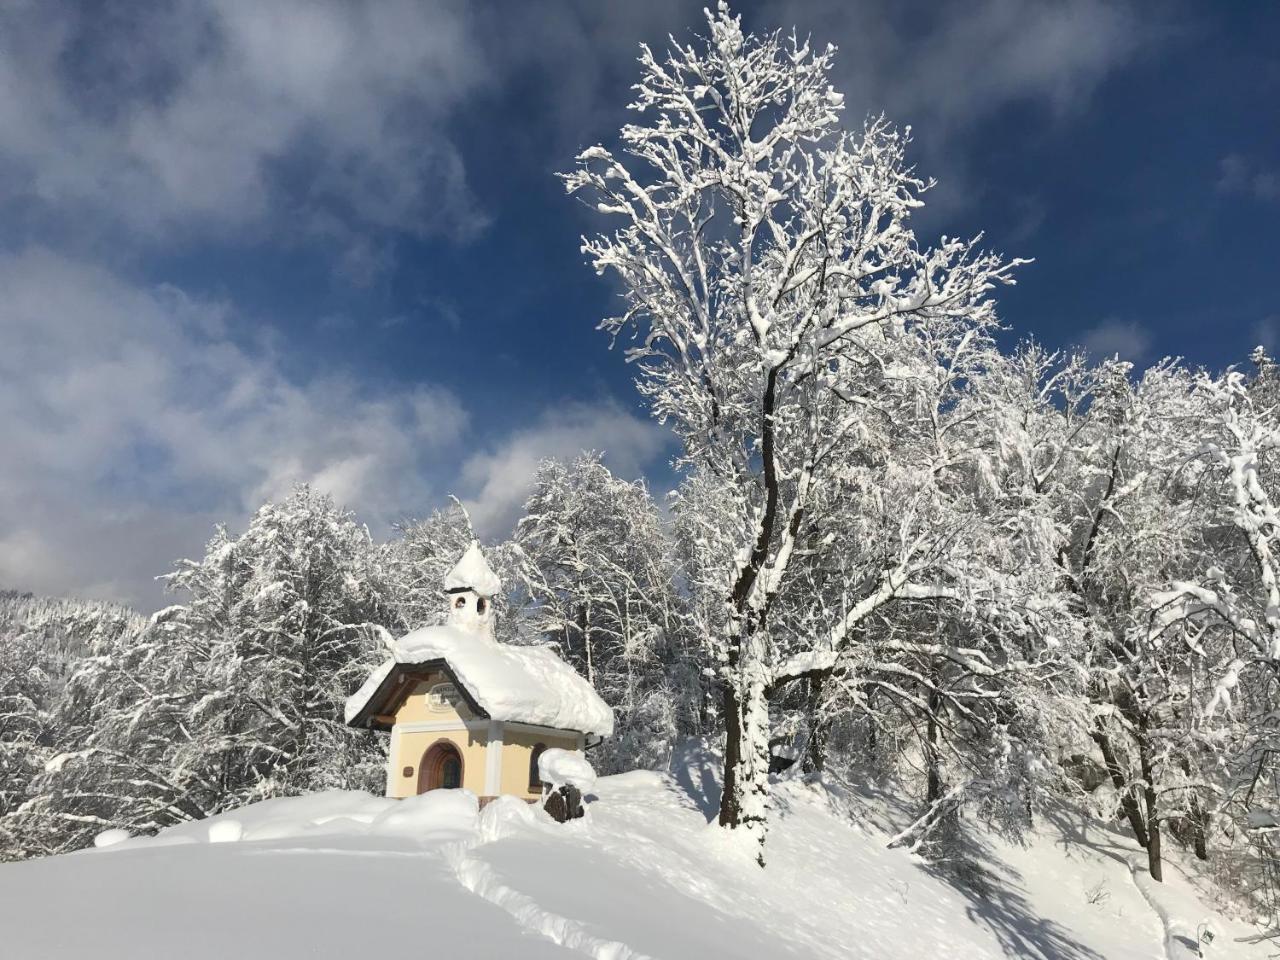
x: 252, y: 243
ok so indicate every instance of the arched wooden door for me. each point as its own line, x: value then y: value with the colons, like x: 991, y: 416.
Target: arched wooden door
x: 441, y: 767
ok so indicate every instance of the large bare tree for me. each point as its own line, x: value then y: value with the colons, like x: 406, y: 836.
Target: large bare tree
x: 774, y: 296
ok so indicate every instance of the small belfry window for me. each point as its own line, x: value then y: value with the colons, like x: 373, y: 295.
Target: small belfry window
x: 460, y: 603
x: 480, y: 605
x: 535, y: 778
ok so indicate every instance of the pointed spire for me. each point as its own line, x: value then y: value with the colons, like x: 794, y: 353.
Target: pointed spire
x: 473, y: 573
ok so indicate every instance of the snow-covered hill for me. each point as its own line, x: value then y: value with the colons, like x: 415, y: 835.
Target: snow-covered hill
x: 347, y: 875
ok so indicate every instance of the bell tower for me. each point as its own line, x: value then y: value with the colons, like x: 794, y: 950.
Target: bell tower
x: 469, y: 590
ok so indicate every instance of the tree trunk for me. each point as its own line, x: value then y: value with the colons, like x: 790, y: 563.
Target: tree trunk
x: 1197, y: 815
x: 816, y: 751
x: 873, y: 730
x: 1128, y: 802
x: 746, y: 762
x: 1149, y: 796
x: 584, y: 629
x: 1199, y: 830
x: 1153, y: 853
x: 729, y: 801
x: 933, y: 771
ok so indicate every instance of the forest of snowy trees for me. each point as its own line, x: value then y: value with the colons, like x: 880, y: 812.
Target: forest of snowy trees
x: 1001, y: 579
x: 109, y: 719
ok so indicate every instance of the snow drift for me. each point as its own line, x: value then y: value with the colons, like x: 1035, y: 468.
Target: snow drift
x: 342, y: 874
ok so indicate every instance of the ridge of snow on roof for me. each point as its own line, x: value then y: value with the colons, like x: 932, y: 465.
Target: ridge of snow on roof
x: 473, y: 572
x: 516, y: 684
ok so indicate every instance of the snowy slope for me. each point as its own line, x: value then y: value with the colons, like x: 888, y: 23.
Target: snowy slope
x: 345, y: 874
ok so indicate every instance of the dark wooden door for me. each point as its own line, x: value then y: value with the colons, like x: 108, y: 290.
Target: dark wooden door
x: 441, y: 767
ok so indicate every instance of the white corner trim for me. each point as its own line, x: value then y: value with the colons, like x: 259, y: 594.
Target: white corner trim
x: 493, y: 760
x: 393, y: 762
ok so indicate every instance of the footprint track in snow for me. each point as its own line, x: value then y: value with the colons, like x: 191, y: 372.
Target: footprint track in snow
x: 480, y: 878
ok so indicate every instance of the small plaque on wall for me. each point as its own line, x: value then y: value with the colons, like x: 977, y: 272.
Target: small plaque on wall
x: 442, y: 697
x: 408, y: 772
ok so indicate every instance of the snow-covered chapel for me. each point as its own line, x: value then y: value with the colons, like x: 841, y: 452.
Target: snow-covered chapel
x: 467, y: 711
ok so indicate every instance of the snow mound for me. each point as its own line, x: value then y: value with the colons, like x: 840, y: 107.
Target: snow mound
x: 225, y: 831
x: 109, y: 838
x: 430, y: 815
x: 559, y: 767
x: 507, y: 816
x: 439, y: 815
x: 518, y: 684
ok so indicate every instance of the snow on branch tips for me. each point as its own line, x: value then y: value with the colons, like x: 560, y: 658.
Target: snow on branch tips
x: 788, y: 325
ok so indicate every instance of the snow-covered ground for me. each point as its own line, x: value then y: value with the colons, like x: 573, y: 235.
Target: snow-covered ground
x: 643, y: 875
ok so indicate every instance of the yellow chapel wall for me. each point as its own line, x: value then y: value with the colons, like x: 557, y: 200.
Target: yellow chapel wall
x: 411, y: 745
x: 517, y: 748
x: 418, y: 709
x: 469, y: 733
x: 408, y: 746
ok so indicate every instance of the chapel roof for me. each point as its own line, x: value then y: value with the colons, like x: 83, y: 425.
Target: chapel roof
x: 525, y: 684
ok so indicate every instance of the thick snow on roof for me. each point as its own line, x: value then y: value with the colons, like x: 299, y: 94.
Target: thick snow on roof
x: 518, y: 684
x: 356, y: 702
x: 473, y: 572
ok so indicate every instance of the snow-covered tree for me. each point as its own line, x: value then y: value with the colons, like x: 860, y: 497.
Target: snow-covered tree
x: 598, y: 566
x: 418, y: 557
x: 42, y: 642
x: 122, y: 725
x: 293, y: 614
x: 232, y: 696
x: 416, y: 561
x: 959, y: 675
x: 772, y: 284
x: 1222, y: 612
x: 1125, y: 496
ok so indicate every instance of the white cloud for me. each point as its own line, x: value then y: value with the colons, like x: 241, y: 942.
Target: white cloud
x: 331, y: 118
x: 321, y: 116
x: 134, y: 420
x: 136, y: 417
x: 500, y: 476
x: 1127, y: 339
x: 945, y: 69
x: 1241, y: 174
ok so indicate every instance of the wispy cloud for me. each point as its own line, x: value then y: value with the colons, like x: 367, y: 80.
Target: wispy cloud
x: 945, y: 69
x: 332, y: 118
x: 1126, y: 339
x: 323, y: 116
x: 136, y: 416
x: 499, y: 477
x: 1244, y: 175
x: 1266, y: 333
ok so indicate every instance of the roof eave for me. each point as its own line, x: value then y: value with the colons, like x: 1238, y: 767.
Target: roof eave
x: 387, y: 699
